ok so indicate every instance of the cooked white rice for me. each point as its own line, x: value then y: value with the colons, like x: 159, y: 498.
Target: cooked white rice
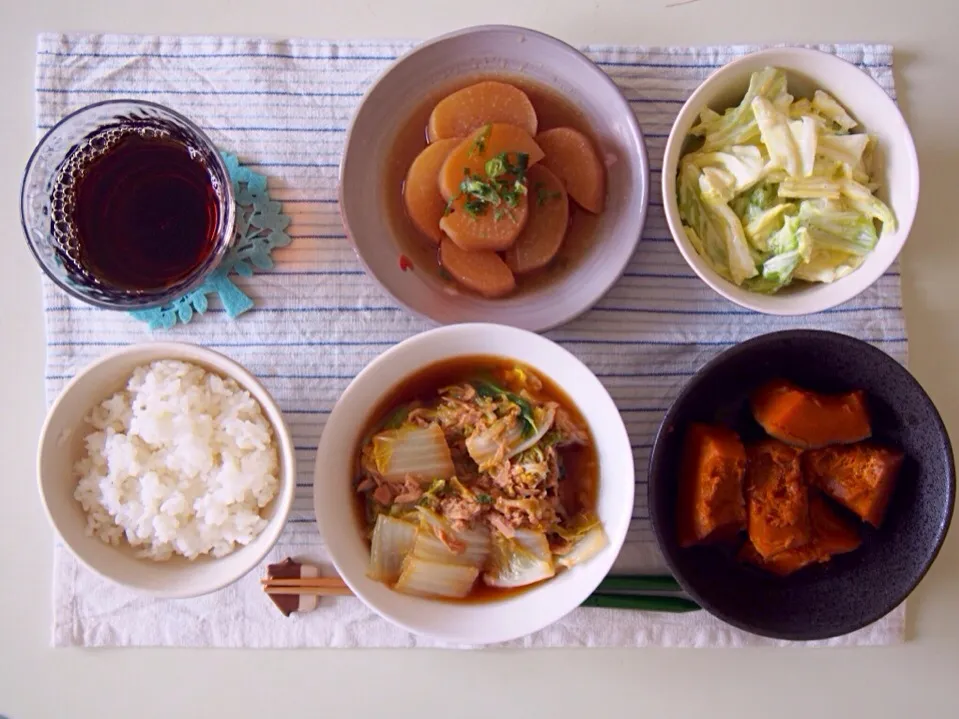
x: 182, y: 462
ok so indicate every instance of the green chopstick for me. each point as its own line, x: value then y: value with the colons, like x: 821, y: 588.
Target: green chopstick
x: 645, y: 602
x: 632, y: 591
x: 638, y: 583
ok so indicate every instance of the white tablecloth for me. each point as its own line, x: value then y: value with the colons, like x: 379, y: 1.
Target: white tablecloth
x: 283, y: 107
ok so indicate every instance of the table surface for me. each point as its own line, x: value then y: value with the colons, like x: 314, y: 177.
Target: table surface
x: 918, y: 677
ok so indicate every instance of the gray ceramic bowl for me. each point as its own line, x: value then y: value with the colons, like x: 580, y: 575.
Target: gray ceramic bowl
x: 852, y: 590
x: 473, y: 52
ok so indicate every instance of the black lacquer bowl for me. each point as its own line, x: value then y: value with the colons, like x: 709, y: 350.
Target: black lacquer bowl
x: 851, y: 590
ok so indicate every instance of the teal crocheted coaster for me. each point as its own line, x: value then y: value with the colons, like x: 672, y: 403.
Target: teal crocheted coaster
x: 260, y: 228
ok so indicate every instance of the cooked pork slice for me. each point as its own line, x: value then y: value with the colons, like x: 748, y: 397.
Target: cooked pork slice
x: 498, y: 523
x: 383, y: 495
x: 463, y: 392
x: 422, y: 417
x: 502, y: 476
x: 570, y: 432
x: 412, y: 490
x: 526, y: 512
x: 366, y: 484
x: 463, y: 509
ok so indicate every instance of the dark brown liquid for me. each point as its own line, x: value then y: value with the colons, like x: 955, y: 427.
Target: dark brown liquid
x: 580, y: 483
x: 145, y: 210
x: 552, y: 110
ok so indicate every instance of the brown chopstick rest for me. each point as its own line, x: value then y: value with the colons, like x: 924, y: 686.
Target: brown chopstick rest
x: 296, y: 586
x: 291, y: 602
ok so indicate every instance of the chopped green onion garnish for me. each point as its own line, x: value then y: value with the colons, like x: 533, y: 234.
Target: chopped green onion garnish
x: 479, y: 144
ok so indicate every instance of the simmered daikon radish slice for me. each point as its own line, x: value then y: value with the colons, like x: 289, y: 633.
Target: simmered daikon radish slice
x: 493, y: 229
x: 424, y: 204
x: 570, y: 156
x: 546, y: 226
x: 470, y: 156
x: 478, y: 105
x: 482, y: 272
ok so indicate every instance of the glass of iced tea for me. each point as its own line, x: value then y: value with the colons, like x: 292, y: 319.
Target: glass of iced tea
x: 127, y: 204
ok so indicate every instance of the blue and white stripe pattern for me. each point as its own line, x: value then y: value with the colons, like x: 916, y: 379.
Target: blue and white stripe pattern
x: 283, y: 107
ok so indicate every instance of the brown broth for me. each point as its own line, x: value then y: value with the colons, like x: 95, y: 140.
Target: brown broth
x: 580, y: 484
x: 552, y: 110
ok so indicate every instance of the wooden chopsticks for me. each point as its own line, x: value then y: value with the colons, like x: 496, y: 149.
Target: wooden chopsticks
x: 316, y: 586
x: 615, y: 592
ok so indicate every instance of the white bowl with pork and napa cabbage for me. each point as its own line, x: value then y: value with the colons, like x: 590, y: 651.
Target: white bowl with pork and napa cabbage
x: 514, y: 614
x: 760, y: 271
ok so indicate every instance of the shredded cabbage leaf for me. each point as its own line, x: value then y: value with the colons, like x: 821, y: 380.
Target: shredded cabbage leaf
x: 587, y: 547
x: 412, y: 450
x: 517, y: 562
x: 789, y: 247
x: 737, y: 125
x: 423, y: 578
x: 781, y: 189
x: 509, y: 436
x: 392, y: 541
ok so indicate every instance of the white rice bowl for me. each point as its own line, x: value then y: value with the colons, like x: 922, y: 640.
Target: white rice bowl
x: 180, y: 462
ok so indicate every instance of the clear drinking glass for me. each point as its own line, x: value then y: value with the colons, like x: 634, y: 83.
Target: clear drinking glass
x: 61, y: 263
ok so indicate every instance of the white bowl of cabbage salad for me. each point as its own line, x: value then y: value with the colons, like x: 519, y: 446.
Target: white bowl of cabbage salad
x: 166, y: 468
x: 790, y: 181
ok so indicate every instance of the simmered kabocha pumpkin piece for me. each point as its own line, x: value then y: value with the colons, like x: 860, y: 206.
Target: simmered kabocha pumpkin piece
x: 808, y: 419
x: 710, y: 507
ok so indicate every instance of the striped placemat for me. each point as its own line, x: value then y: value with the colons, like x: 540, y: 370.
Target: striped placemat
x: 283, y: 107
